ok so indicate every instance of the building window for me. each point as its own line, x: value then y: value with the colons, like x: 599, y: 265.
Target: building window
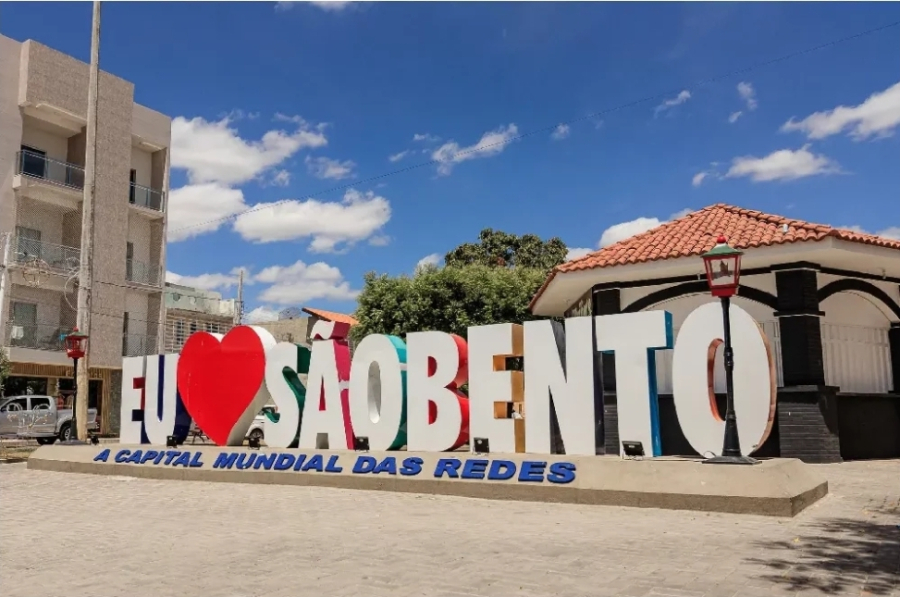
x: 34, y: 161
x: 212, y: 328
x: 28, y: 243
x: 24, y: 330
x: 129, y: 261
x: 125, y: 334
x: 179, y: 333
x: 133, y: 180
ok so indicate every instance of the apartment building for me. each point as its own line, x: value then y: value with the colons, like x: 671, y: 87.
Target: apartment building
x: 190, y: 310
x: 43, y: 114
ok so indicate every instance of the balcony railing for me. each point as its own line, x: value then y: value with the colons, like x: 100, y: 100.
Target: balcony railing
x: 37, y: 335
x: 137, y: 345
x: 31, y: 252
x: 36, y: 165
x: 142, y: 273
x: 145, y: 197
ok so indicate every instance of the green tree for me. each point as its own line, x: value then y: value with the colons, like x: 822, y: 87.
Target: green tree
x: 492, y: 281
x: 501, y: 249
x: 5, y: 369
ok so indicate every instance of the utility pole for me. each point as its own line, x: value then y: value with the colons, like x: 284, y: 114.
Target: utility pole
x: 239, y: 307
x: 86, y: 273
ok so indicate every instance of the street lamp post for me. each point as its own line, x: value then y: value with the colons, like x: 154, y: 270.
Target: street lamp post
x: 76, y: 346
x: 723, y: 273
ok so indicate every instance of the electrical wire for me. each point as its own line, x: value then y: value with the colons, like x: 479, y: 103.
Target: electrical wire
x: 546, y: 129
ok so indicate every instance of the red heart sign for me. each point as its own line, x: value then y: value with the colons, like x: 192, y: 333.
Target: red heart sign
x: 219, y: 381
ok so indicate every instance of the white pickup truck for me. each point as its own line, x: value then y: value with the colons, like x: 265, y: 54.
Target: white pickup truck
x: 37, y: 417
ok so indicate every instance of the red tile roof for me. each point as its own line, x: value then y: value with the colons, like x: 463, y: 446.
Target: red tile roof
x: 331, y: 316
x: 696, y: 233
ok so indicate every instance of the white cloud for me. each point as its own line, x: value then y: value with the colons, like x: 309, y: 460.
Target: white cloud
x: 261, y: 315
x: 784, y: 164
x: 332, y: 6
x: 892, y: 232
x: 198, y: 209
x: 357, y: 217
x: 301, y: 282
x: 878, y: 116
x: 429, y: 260
x: 281, y: 178
x: 578, y: 252
x: 748, y: 94
x: 398, y: 156
x: 734, y: 116
x: 698, y: 178
x: 326, y: 168
x: 490, y: 144
x: 380, y: 240
x: 620, y: 232
x: 561, y: 132
x: 215, y: 152
x: 209, y: 281
x: 671, y: 103
x: 426, y: 137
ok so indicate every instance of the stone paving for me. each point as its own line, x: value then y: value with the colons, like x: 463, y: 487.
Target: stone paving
x: 98, y: 536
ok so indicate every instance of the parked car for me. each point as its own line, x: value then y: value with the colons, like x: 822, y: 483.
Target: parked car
x: 37, y: 417
x: 258, y: 427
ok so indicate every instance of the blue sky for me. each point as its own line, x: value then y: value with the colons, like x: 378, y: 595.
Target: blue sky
x: 291, y: 101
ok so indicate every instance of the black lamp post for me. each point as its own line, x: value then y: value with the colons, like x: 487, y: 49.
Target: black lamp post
x: 76, y: 345
x: 723, y: 273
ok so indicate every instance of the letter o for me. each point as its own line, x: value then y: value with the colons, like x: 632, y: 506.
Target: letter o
x: 755, y: 385
x: 381, y: 423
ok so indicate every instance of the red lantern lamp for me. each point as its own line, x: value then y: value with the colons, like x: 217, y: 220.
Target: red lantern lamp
x: 723, y: 268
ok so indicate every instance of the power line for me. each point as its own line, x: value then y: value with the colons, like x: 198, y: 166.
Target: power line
x: 546, y: 129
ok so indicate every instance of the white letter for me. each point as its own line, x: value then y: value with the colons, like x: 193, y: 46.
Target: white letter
x: 132, y: 371
x: 377, y: 394
x: 449, y: 354
x: 288, y: 398
x: 572, y: 387
x: 492, y: 387
x: 692, y: 380
x: 161, y: 389
x: 634, y: 338
x: 322, y: 381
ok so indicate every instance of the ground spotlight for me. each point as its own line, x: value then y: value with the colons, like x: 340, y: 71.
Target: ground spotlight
x: 171, y: 441
x: 253, y: 443
x: 482, y: 445
x: 633, y: 449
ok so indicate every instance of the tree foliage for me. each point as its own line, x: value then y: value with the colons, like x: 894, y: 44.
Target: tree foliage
x: 500, y: 249
x: 5, y: 369
x: 492, y: 281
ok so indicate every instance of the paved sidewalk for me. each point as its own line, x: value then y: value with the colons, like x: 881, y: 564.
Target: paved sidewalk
x: 141, y: 538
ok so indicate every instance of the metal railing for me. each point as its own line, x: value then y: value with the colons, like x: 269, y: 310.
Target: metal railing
x: 142, y: 273
x: 145, y: 197
x: 39, y: 336
x: 28, y: 251
x: 138, y: 345
x: 36, y: 165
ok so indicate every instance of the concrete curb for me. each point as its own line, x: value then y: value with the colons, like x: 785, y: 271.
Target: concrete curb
x: 778, y: 487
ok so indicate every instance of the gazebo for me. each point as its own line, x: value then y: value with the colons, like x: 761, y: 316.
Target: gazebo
x: 827, y: 298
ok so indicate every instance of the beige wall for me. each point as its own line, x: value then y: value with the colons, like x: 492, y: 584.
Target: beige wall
x: 142, y: 164
x: 289, y: 330
x: 43, y: 103
x: 10, y: 142
x: 199, y: 320
x: 56, y: 146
